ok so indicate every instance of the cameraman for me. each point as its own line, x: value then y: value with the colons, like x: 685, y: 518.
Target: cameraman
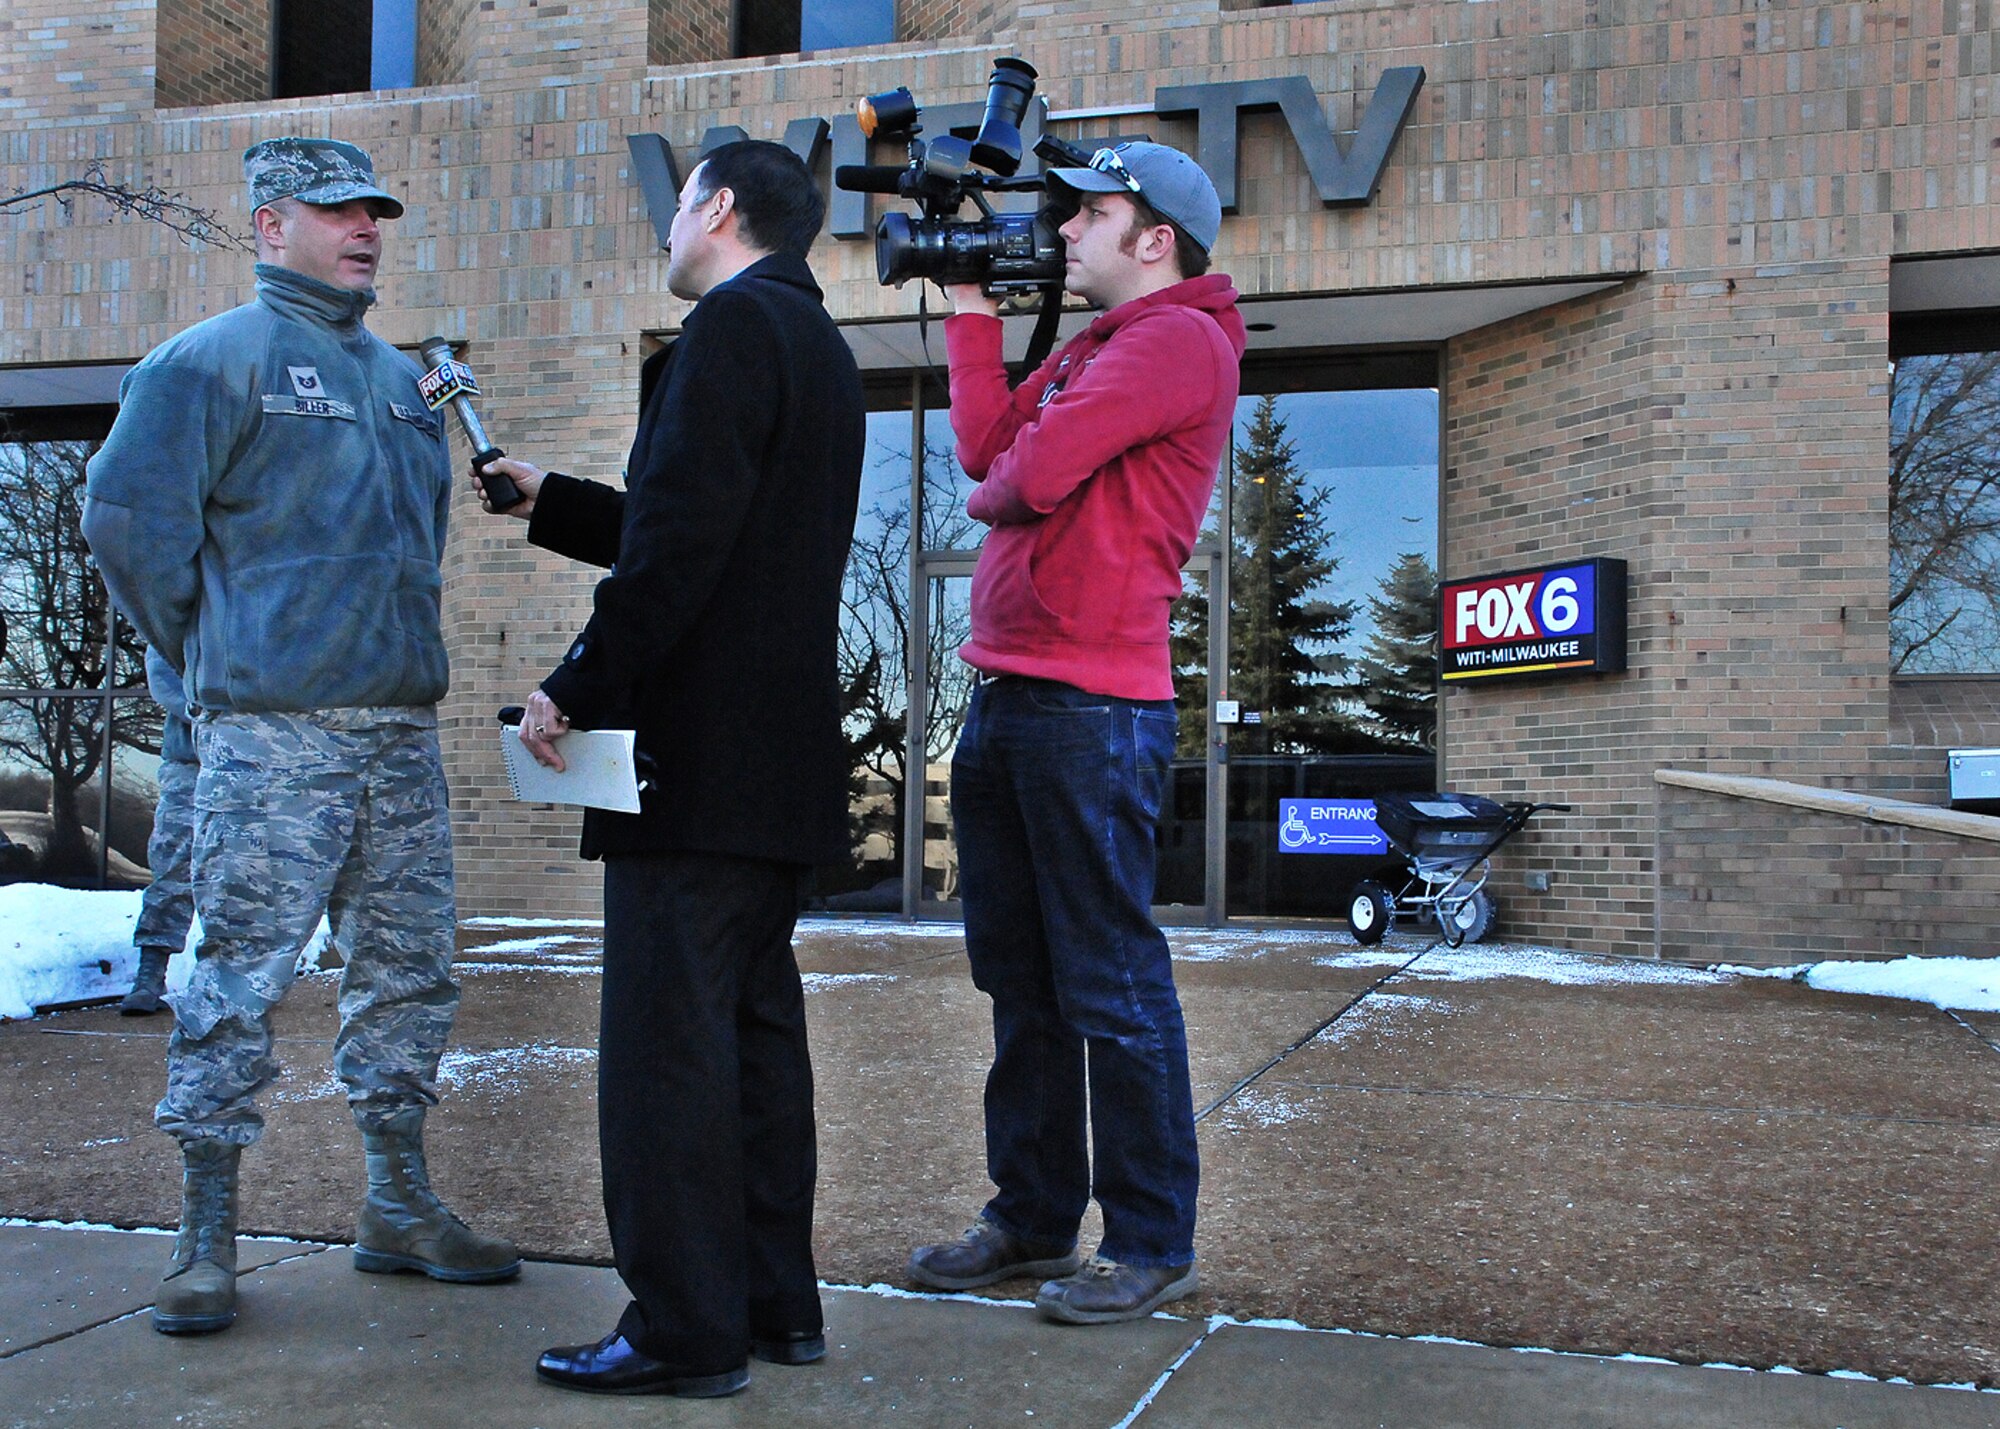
x: 1095, y: 475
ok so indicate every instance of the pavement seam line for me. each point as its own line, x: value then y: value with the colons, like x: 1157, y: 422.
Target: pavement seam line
x: 1347, y: 1007
x: 71, y: 1334
x: 1145, y: 1400
x: 1952, y: 1013
x: 1478, y: 1094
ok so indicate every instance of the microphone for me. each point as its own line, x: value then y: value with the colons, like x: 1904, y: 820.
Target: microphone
x: 450, y: 380
x: 869, y: 178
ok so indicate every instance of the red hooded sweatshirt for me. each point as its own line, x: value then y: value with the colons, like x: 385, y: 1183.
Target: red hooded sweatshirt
x: 1095, y: 475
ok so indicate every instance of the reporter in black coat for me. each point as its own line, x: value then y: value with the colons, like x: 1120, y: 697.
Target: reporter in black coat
x: 714, y: 636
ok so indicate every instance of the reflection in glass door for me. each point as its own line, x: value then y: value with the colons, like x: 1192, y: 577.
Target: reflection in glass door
x: 945, y: 578
x: 1332, y: 538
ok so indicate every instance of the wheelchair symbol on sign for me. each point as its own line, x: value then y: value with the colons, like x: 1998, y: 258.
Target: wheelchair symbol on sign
x: 1293, y: 833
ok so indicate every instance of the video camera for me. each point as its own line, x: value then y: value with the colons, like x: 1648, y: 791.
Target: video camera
x: 1007, y: 253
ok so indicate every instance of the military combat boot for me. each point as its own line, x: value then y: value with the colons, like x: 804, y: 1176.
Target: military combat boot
x: 404, y: 1226
x: 149, y: 983
x: 198, y: 1292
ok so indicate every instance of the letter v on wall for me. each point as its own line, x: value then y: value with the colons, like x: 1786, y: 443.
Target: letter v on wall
x: 660, y: 177
x: 1345, y: 177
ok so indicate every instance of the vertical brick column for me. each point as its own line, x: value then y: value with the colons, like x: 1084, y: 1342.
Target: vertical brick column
x: 212, y: 52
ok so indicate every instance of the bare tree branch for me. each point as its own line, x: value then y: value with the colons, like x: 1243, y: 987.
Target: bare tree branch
x: 153, y: 204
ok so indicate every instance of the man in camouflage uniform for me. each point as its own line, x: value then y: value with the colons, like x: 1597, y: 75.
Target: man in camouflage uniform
x: 167, y: 906
x: 269, y: 510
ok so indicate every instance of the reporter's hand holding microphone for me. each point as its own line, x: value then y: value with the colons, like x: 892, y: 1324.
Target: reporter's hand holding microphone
x: 505, y: 486
x: 526, y: 477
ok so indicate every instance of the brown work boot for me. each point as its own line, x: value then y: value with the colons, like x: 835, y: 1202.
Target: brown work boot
x: 1104, y: 1292
x: 404, y: 1226
x: 986, y: 1253
x: 197, y: 1295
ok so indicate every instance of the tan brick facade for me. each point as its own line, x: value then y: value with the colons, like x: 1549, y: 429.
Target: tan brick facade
x: 447, y: 41
x: 980, y: 21
x: 213, y: 52
x: 1747, y: 173
x: 687, y: 32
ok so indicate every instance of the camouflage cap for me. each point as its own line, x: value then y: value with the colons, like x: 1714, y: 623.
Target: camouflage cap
x: 315, y: 170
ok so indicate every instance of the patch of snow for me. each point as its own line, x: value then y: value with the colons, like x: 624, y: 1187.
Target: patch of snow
x: 597, y: 923
x: 529, y: 945
x: 61, y: 945
x: 497, y: 1071
x: 1209, y: 945
x: 880, y: 927
x: 1381, y: 1015
x: 589, y: 967
x: 819, y: 982
x: 500, y: 1070
x: 1962, y: 984
x: 1481, y: 962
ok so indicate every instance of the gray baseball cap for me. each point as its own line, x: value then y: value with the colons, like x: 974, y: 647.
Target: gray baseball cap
x: 315, y: 170
x: 1166, y: 178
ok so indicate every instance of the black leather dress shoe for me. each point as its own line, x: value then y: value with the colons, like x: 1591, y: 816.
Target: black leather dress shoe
x: 612, y: 1366
x: 790, y: 1347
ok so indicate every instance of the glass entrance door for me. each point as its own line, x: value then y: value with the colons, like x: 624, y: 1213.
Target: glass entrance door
x: 1184, y: 890
x: 1330, y: 665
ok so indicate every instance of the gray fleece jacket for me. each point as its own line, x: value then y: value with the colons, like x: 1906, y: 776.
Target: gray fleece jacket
x: 269, y: 509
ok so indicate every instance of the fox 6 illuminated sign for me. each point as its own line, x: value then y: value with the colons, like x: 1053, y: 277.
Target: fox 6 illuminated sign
x: 1560, y: 620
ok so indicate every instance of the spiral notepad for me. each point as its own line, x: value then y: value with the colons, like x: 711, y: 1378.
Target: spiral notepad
x: 602, y: 772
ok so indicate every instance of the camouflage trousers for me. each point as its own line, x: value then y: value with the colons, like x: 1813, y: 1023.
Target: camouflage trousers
x: 167, y: 906
x: 340, y: 811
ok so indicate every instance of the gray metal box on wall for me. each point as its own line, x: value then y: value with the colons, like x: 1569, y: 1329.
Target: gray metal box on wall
x: 1975, y: 780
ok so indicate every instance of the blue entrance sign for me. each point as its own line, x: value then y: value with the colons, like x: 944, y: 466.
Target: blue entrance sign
x: 1329, y: 826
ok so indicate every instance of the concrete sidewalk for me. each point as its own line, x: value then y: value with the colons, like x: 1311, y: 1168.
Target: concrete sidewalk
x: 319, y: 1345
x: 1508, y: 1147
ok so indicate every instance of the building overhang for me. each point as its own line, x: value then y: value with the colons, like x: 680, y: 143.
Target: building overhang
x: 1395, y: 318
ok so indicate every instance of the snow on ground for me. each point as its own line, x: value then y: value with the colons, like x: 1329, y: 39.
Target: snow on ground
x: 1967, y: 984
x: 1481, y: 962
x: 63, y: 945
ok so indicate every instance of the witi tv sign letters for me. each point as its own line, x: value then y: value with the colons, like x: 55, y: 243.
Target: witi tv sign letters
x: 1559, y: 620
x: 1345, y: 174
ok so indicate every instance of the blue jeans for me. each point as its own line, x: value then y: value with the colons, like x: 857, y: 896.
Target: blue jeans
x: 1055, y: 795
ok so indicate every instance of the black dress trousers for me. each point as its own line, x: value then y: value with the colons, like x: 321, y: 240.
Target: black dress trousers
x: 705, y: 1105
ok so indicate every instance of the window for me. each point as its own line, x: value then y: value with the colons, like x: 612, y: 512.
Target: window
x: 1944, y: 494
x: 783, y: 27
x: 78, y: 733
x: 1331, y: 535
x: 342, y: 46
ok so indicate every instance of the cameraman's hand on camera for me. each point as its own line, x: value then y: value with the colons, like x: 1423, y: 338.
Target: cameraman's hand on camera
x: 971, y: 298
x: 526, y: 476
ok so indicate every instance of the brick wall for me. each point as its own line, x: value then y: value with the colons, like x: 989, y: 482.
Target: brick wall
x: 977, y: 20
x: 447, y: 41
x: 60, y: 66
x: 1749, y: 882
x: 1568, y: 475
x: 685, y: 32
x: 1717, y: 419
x: 213, y: 52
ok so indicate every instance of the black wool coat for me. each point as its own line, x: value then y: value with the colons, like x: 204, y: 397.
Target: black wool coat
x: 714, y: 635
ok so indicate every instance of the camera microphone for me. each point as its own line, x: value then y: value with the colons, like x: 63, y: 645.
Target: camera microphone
x: 870, y: 178
x: 451, y: 381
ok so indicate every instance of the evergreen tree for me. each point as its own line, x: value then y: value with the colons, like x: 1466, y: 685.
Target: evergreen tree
x: 1398, y: 670
x: 1284, y: 639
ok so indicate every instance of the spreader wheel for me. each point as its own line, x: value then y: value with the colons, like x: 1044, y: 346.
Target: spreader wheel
x: 1371, y: 912
x: 1470, y: 921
